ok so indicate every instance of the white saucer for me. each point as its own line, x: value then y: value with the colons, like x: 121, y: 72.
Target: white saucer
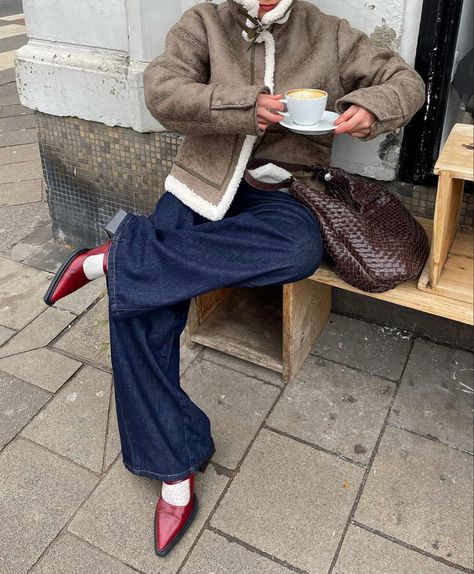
x: 324, y: 126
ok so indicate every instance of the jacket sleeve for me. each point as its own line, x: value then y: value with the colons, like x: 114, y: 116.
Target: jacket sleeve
x: 179, y: 97
x: 377, y: 79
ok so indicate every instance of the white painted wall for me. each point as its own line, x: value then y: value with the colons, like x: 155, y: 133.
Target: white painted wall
x: 86, y: 59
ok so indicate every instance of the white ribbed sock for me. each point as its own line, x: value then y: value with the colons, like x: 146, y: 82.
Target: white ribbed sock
x: 93, y: 266
x: 178, y: 494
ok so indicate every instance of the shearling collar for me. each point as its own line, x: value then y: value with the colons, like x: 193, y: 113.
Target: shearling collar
x: 278, y: 15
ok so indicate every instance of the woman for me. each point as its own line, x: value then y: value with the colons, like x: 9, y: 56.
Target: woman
x: 219, y: 82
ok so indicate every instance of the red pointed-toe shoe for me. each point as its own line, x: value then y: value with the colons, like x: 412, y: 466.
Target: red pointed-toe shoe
x: 70, y: 276
x: 171, y: 522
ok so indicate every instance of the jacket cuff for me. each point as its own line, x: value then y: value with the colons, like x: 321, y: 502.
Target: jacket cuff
x: 234, y: 109
x: 376, y: 100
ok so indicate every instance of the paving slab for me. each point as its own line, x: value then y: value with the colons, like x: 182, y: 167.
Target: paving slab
x: 41, y: 367
x: 49, y: 256
x: 74, y: 423
x: 29, y: 244
x: 10, y: 124
x: 334, y: 407
x: 21, y: 293
x: 88, y: 340
x: 18, y: 153
x: 15, y: 109
x: 367, y: 553
x: 214, y: 553
x: 39, y: 332
x: 118, y: 518
x: 83, y: 298
x: 9, y: 94
x: 244, y: 367
x: 71, y: 555
x: 291, y: 501
x: 5, y: 334
x: 23, y: 171
x: 188, y: 354
x: 22, y: 192
x: 377, y: 350
x: 19, y: 137
x: 235, y: 404
x: 17, y: 221
x: 19, y: 402
x: 112, y: 441
x: 39, y: 492
x: 436, y: 396
x: 421, y: 492
x: 7, y: 76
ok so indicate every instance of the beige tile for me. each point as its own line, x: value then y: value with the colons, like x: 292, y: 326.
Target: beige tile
x: 39, y: 332
x: 7, y: 59
x: 290, y: 501
x: 41, y: 367
x: 11, y: 30
x: 21, y: 293
x: 71, y: 555
x: 235, y: 403
x: 74, y: 423
x: 436, y: 396
x: 23, y: 192
x: 334, y: 407
x: 118, y: 518
x: 214, y: 553
x: 420, y: 492
x: 18, y: 153
x: 89, y: 339
x: 367, y: 553
x: 39, y: 493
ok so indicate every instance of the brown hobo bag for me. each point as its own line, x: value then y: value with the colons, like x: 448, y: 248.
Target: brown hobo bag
x: 370, y: 238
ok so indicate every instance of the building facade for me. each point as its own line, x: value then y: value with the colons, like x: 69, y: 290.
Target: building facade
x: 82, y: 71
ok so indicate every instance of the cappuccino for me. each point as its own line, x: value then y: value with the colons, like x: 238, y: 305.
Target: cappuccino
x: 305, y: 106
x: 306, y: 94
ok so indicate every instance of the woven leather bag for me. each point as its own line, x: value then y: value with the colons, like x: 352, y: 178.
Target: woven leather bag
x: 370, y: 237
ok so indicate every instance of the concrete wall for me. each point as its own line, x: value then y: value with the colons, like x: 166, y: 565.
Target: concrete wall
x: 86, y: 59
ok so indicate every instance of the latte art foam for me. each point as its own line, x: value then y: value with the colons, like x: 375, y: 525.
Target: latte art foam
x: 306, y: 94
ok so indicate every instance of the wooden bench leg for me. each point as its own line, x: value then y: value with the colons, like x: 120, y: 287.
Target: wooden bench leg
x: 445, y: 225
x: 306, y: 308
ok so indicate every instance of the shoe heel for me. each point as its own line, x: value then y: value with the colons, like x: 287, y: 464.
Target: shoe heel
x: 116, y: 220
x: 204, y: 465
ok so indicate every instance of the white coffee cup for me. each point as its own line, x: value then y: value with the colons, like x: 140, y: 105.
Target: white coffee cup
x: 305, y: 106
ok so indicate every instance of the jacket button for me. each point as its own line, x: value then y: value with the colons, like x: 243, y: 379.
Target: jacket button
x: 218, y: 102
x: 242, y: 101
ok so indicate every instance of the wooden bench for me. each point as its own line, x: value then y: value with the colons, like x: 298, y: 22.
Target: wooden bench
x: 277, y: 326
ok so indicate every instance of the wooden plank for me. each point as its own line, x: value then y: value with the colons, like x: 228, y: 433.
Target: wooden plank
x: 407, y: 295
x: 208, y: 302
x: 456, y: 281
x: 306, y: 308
x: 457, y: 154
x: 445, y: 225
x: 247, y: 324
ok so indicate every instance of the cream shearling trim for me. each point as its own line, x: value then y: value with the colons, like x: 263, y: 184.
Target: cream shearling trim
x: 252, y: 7
x: 206, y: 208
x: 269, y: 76
x: 270, y: 173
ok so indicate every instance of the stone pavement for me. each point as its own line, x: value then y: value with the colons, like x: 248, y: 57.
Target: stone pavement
x: 363, y: 465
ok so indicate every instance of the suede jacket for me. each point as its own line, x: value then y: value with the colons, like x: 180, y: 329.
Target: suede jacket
x: 219, y: 58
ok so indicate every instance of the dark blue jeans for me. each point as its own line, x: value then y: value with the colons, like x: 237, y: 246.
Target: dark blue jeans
x: 156, y: 265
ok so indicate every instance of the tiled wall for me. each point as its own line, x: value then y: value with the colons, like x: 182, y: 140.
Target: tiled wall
x: 92, y: 169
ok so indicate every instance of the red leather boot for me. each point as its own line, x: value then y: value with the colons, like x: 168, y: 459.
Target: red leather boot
x: 171, y: 520
x: 71, y: 276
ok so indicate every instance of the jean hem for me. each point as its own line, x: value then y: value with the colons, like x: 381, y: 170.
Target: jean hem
x: 167, y: 477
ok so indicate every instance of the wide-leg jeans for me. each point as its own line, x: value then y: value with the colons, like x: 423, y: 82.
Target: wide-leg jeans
x: 156, y: 264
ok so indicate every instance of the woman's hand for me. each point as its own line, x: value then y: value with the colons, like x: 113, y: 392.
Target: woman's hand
x: 355, y: 121
x: 268, y: 107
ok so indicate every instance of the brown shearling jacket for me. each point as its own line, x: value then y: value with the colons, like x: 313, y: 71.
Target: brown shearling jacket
x: 217, y: 61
